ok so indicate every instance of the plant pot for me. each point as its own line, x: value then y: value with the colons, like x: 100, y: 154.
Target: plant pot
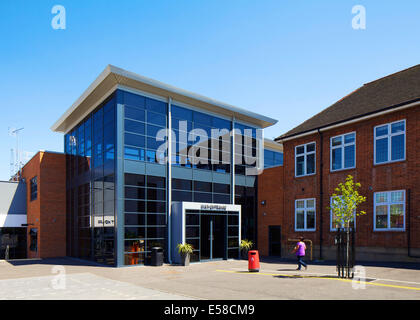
x: 244, y: 254
x: 185, y: 259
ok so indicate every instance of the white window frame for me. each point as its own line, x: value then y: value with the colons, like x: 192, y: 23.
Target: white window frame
x: 332, y: 229
x: 305, y: 155
x: 388, y: 204
x: 305, y: 209
x: 342, y: 147
x: 389, y: 136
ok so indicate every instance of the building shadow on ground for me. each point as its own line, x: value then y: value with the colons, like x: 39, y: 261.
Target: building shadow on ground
x: 381, y: 264
x: 63, y: 261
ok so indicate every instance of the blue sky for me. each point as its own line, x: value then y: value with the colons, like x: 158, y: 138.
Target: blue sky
x: 284, y: 59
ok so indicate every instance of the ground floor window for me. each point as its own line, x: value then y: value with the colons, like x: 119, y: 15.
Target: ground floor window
x: 335, y: 223
x: 305, y: 215
x: 13, y: 243
x: 389, y: 212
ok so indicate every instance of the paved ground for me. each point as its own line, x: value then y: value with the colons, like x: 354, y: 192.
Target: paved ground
x: 73, y: 279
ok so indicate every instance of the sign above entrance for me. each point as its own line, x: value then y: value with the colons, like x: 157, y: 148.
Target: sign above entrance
x: 213, y: 207
x: 186, y: 205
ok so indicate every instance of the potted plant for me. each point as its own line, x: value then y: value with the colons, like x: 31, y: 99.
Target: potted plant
x: 185, y: 250
x: 245, y: 246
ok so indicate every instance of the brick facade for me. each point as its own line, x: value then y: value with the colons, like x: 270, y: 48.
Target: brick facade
x: 270, y: 213
x: 47, y: 213
x: 402, y: 175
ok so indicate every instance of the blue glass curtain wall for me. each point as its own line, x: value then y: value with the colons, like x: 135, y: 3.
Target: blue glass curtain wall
x: 90, y: 161
x: 90, y: 150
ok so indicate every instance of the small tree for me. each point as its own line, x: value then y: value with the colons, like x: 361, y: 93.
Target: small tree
x: 344, y: 206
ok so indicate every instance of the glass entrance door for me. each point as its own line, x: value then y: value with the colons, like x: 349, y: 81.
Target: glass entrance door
x: 212, y: 237
x: 213, y: 234
x: 206, y: 238
x: 219, y: 236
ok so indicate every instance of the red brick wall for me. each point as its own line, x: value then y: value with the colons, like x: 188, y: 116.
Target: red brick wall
x: 48, y: 211
x: 29, y: 171
x: 270, y: 190
x: 373, y: 178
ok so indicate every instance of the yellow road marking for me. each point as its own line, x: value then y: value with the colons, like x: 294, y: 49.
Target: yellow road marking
x: 326, y: 278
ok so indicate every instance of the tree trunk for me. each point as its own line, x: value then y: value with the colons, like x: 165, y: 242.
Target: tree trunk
x: 348, y: 251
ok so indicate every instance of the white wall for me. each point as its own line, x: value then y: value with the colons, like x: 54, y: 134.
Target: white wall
x: 12, y: 204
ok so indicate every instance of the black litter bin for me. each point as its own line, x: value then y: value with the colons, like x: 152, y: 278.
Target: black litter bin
x: 157, y: 256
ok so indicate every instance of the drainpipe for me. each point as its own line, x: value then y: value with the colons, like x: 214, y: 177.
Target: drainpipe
x: 320, y: 194
x: 408, y: 201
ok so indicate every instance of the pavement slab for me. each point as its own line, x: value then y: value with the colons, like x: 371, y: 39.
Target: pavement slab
x: 219, y: 280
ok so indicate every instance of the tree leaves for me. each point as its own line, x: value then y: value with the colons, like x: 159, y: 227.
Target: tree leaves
x: 345, y: 202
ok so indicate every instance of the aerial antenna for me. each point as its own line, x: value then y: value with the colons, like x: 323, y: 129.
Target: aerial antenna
x: 12, y: 163
x: 17, y: 161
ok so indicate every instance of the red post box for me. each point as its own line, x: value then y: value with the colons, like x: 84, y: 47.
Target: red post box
x: 253, y: 261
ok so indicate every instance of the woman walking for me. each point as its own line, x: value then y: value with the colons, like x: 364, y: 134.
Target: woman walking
x: 300, y: 253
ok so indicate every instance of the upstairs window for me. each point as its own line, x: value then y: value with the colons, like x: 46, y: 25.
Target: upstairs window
x: 343, y: 152
x: 34, y: 188
x: 305, y: 159
x: 390, y: 142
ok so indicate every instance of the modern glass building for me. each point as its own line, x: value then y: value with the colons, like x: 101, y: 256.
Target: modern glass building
x: 152, y: 165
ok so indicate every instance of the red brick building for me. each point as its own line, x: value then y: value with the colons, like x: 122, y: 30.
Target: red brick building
x: 45, y: 177
x: 270, y: 211
x: 372, y: 134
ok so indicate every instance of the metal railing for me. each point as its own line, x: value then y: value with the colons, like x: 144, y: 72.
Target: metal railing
x: 345, y: 266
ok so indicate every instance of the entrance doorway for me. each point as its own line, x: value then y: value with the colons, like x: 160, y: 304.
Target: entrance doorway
x: 213, y: 230
x: 274, y: 241
x: 213, y: 237
x: 13, y: 243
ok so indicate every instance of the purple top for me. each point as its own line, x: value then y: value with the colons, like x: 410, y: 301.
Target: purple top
x: 301, y: 248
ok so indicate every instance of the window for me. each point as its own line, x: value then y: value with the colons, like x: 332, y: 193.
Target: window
x: 305, y: 215
x: 34, y: 188
x: 389, y: 211
x: 335, y: 224
x: 272, y: 158
x: 390, y: 142
x: 343, y: 151
x: 144, y: 217
x: 33, y: 235
x: 305, y: 159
